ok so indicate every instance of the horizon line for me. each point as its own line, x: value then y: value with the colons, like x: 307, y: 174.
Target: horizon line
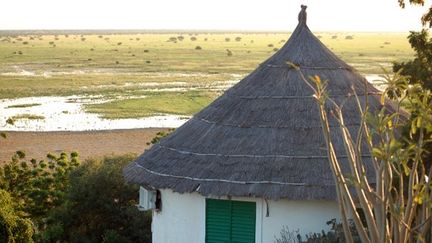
x: 137, y: 31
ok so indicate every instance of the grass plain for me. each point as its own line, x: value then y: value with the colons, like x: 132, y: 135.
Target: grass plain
x: 154, y: 73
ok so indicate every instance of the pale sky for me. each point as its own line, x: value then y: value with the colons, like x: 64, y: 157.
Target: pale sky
x: 267, y: 15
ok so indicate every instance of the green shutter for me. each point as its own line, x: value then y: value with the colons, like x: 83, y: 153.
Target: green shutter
x: 243, y: 222
x: 218, y: 221
x: 230, y: 221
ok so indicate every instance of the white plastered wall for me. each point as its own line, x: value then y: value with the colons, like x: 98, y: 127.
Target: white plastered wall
x: 182, y: 219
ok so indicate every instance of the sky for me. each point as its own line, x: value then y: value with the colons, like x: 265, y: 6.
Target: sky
x: 263, y: 15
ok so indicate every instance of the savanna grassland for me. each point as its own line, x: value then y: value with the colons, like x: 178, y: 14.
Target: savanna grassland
x: 153, y: 73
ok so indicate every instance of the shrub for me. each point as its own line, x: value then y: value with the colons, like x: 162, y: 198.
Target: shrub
x: 227, y: 39
x: 229, y: 52
x: 270, y: 45
x: 38, y: 184
x: 238, y: 38
x: 13, y: 226
x: 334, y: 235
x: 172, y: 39
x: 100, y: 206
x: 193, y: 38
x: 198, y: 48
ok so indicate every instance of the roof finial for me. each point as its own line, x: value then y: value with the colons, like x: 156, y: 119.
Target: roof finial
x: 302, y: 15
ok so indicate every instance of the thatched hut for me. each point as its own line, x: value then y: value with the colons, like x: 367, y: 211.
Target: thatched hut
x: 255, y: 159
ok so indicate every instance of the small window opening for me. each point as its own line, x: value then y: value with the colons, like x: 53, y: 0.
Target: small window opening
x: 158, y: 202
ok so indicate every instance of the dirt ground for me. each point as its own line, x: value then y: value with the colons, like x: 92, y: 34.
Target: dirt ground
x: 87, y: 144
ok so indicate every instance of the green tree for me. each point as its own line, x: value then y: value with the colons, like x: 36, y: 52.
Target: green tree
x: 418, y: 70
x: 13, y: 226
x: 99, y: 206
x: 427, y: 17
x: 37, y: 187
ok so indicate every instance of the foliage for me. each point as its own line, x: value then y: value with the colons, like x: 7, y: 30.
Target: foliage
x: 419, y: 69
x: 287, y: 236
x: 37, y: 187
x: 334, y: 235
x: 397, y: 208
x: 161, y: 135
x: 13, y: 226
x: 427, y: 17
x: 99, y: 206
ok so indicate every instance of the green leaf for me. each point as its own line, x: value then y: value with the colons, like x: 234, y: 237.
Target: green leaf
x: 376, y: 152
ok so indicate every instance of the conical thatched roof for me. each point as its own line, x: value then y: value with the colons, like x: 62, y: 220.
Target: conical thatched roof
x: 262, y: 137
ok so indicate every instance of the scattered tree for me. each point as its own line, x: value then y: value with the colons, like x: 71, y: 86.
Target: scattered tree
x: 229, y: 52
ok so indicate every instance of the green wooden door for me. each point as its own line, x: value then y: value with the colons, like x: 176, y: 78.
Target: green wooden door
x: 230, y: 221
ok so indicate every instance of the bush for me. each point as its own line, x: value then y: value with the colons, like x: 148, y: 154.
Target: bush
x: 100, y: 206
x: 193, y: 38
x: 13, y: 226
x: 238, y: 38
x: 172, y: 39
x: 229, y: 52
x: 198, y: 48
x: 335, y: 235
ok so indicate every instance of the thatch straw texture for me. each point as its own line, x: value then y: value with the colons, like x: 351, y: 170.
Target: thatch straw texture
x: 262, y: 137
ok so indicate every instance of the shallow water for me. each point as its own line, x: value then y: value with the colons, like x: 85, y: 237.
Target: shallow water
x: 67, y: 114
